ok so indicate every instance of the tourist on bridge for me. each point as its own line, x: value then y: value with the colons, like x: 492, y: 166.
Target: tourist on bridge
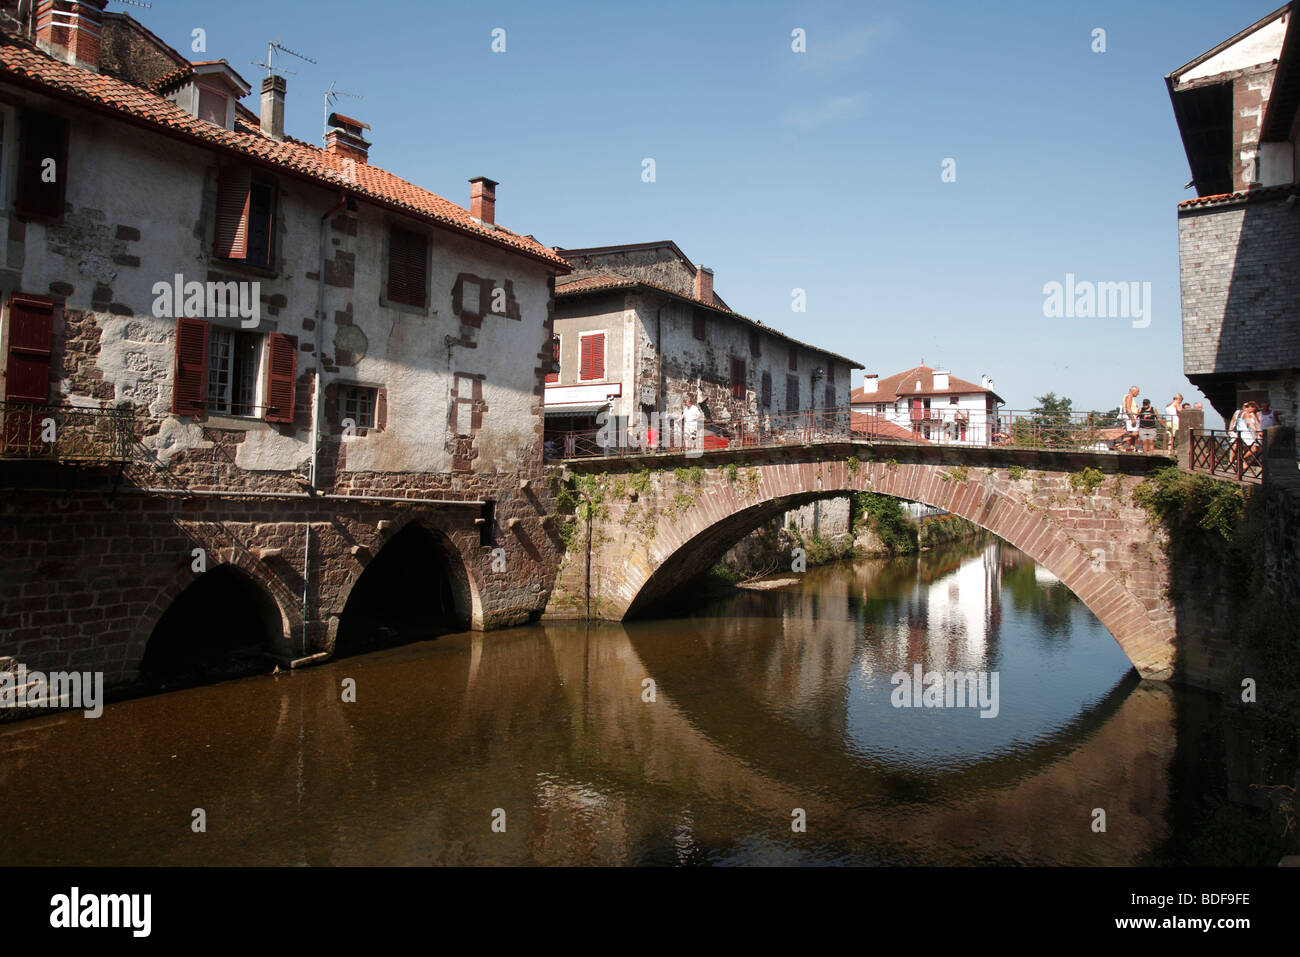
x: 1130, y: 439
x: 1148, y: 422
x: 1245, y: 427
x: 691, y: 418
x: 1267, y: 417
x: 1171, y: 413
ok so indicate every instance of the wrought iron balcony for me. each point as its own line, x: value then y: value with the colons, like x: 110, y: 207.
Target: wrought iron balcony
x: 64, y: 433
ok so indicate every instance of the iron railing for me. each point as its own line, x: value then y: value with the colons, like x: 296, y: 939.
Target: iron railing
x: 1225, y: 455
x: 64, y: 433
x: 1031, y: 429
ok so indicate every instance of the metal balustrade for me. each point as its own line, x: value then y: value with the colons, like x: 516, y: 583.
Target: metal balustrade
x: 1224, y: 455
x: 64, y: 433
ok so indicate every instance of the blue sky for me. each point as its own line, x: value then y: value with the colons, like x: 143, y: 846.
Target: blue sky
x: 818, y: 170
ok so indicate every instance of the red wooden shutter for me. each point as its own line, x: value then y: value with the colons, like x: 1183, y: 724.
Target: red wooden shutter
x: 584, y: 359
x: 555, y: 359
x: 234, y: 195
x: 283, y: 377
x: 27, y: 371
x: 407, y: 266
x: 593, y: 357
x: 43, y: 137
x: 190, y: 386
x: 737, y: 378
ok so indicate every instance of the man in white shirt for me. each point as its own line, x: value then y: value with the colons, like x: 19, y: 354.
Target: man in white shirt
x: 691, y: 419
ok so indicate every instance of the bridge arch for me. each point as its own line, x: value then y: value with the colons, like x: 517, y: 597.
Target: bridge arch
x: 1095, y: 541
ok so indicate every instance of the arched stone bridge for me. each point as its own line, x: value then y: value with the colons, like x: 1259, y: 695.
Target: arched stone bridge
x: 664, y: 519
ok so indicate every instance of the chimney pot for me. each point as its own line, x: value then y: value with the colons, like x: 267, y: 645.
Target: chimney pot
x: 704, y: 284
x: 483, y: 200
x: 70, y: 30
x: 272, y: 117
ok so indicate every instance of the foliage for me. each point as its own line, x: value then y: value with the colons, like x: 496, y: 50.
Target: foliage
x: 1048, y: 425
x: 958, y: 473
x: 1086, y: 480
x: 1015, y: 472
x: 854, y: 463
x: 1179, y: 499
x: 693, y: 475
x: 730, y: 471
x: 886, y: 517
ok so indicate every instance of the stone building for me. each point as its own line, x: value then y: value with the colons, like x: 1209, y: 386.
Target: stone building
x: 1238, y: 111
x: 639, y: 327
x: 268, y: 367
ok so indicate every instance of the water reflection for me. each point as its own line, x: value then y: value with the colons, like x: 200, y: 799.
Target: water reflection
x: 764, y: 702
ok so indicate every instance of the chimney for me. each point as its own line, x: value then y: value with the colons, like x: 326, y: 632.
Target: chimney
x: 69, y: 30
x: 940, y: 380
x: 273, y: 107
x: 483, y: 200
x: 870, y: 383
x: 986, y: 382
x: 704, y: 284
x: 345, y: 138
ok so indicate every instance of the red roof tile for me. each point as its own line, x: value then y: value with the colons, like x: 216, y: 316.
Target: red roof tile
x: 903, y: 384
x: 21, y: 62
x: 878, y: 427
x: 1258, y: 192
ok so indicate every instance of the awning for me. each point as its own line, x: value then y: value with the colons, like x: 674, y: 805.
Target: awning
x: 576, y: 408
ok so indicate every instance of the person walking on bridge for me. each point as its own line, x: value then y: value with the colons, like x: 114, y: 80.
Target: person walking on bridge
x: 1148, y: 420
x: 691, y: 419
x: 1130, y: 415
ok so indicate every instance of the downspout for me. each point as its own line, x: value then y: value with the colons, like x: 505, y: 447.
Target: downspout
x: 315, y: 408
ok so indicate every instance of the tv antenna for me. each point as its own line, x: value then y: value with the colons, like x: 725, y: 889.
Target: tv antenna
x: 271, y: 47
x: 137, y: 3
x: 330, y: 95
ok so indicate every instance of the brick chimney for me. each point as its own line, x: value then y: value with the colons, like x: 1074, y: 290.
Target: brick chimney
x: 272, y: 115
x: 70, y: 30
x: 483, y: 200
x: 345, y: 138
x: 704, y: 284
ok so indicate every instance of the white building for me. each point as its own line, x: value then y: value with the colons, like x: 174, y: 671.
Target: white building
x: 932, y: 404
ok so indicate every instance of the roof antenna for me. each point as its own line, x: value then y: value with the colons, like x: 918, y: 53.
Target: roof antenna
x: 137, y: 3
x: 333, y: 94
x: 269, y: 65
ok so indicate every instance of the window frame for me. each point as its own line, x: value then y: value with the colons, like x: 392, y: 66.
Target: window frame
x: 557, y: 351
x: 257, y: 410
x: 346, y: 388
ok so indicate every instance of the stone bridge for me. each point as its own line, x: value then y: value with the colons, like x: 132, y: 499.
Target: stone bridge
x: 659, y: 521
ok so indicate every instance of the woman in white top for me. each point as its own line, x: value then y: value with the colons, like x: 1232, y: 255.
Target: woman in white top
x: 1171, y: 418
x: 1245, y: 424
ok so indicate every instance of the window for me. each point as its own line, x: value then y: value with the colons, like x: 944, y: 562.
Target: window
x: 830, y: 372
x: 27, y: 366
x: 592, y: 364
x: 408, y: 257
x: 754, y: 344
x: 794, y: 360
x: 767, y: 390
x: 212, y: 106
x: 698, y: 324
x: 737, y: 378
x: 234, y: 360
x: 791, y: 393
x: 245, y: 218
x: 830, y: 397
x: 219, y: 369
x: 42, y: 165
x: 359, y: 403
x: 554, y: 374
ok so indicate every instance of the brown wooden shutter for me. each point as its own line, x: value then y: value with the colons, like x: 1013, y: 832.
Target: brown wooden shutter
x: 555, y: 360
x: 737, y: 378
x: 234, y: 199
x: 282, y: 379
x: 794, y: 360
x: 381, y: 409
x: 407, y: 266
x: 190, y: 386
x: 27, y: 370
x: 42, y: 137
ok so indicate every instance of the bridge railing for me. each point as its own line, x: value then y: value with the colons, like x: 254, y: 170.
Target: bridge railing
x: 1225, y: 455
x: 64, y: 433
x: 1031, y: 429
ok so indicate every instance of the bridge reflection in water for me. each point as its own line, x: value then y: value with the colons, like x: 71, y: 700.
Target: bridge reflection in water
x: 765, y: 702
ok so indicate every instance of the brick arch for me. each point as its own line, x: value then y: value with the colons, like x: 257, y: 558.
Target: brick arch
x: 1065, y: 544
x: 465, y: 587
x: 257, y: 575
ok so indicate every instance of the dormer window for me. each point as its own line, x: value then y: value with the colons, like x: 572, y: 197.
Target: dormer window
x: 207, y: 91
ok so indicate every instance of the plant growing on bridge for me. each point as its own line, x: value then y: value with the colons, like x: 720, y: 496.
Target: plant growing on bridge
x: 693, y: 475
x: 639, y: 481
x: 885, y: 515
x: 1015, y: 472
x: 751, y: 483
x: 854, y: 463
x: 1086, y: 480
x: 1178, y: 499
x: 730, y: 471
x: 958, y: 473
x: 891, y: 464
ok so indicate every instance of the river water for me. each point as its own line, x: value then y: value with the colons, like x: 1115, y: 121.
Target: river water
x: 767, y: 733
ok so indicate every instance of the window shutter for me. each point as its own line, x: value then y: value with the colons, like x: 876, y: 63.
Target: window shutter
x: 737, y: 378
x: 555, y: 360
x: 282, y: 378
x: 27, y: 371
x: 381, y: 409
x: 794, y: 360
x: 698, y: 324
x: 190, y: 385
x: 598, y: 357
x: 234, y: 194
x: 43, y: 137
x: 407, y: 266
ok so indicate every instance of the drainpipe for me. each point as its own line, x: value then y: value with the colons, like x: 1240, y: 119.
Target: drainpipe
x: 316, y: 397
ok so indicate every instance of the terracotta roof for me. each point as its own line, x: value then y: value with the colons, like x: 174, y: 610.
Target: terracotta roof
x: 878, y: 427
x: 602, y: 282
x: 904, y: 384
x: 1245, y: 195
x: 21, y: 62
